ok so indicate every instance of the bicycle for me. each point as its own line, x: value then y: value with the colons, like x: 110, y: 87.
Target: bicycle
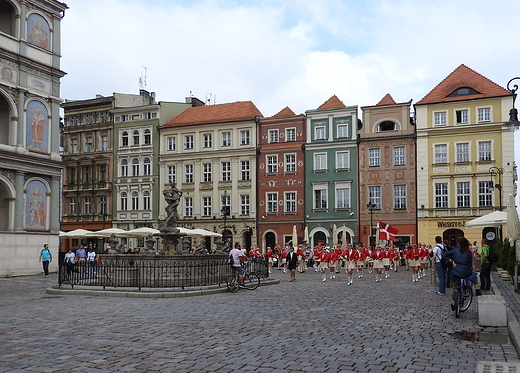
x: 464, y: 296
x: 251, y: 280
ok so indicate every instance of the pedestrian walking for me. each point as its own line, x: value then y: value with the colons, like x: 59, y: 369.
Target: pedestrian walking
x: 292, y: 263
x: 438, y: 250
x: 45, y: 258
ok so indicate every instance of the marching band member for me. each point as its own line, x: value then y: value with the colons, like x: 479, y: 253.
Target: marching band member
x: 395, y: 258
x: 360, y: 262
x: 301, y: 259
x: 369, y: 259
x: 351, y: 256
x: 285, y: 251
x: 317, y: 257
x: 270, y: 256
x: 307, y: 252
x: 413, y: 253
x: 386, y: 261
x: 324, y: 263
x: 334, y: 257
x: 377, y: 256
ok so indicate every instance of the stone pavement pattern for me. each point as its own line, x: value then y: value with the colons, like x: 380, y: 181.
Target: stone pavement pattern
x: 302, y: 326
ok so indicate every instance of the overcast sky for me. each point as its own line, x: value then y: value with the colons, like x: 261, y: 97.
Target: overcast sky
x: 279, y: 53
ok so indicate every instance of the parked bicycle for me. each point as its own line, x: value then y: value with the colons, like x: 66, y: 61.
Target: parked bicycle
x: 251, y: 279
x: 464, y: 296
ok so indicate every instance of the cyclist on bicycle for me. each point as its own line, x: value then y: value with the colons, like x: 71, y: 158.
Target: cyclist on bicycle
x: 236, y: 267
x: 462, y: 259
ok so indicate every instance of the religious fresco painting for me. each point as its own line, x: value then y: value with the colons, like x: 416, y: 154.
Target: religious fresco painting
x: 38, y: 31
x: 37, y: 130
x: 35, y: 205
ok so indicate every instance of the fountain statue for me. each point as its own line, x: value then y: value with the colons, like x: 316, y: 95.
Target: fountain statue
x: 169, y: 233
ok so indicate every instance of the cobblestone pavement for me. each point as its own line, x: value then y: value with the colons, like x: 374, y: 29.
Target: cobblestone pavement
x: 303, y: 326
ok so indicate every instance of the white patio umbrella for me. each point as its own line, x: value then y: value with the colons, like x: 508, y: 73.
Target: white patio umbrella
x: 334, y: 235
x: 202, y: 232
x: 493, y: 219
x: 306, y: 235
x: 106, y: 232
x: 139, y: 232
x: 513, y: 223
x: 294, y: 236
x: 76, y: 233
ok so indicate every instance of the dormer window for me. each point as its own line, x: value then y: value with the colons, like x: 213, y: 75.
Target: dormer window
x: 463, y: 91
x: 387, y: 125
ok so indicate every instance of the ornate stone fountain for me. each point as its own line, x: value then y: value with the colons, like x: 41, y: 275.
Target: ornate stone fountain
x: 169, y: 233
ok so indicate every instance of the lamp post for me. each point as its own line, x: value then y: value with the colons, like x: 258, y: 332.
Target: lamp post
x: 225, y: 211
x: 371, y: 206
x: 513, y: 122
x: 499, y: 172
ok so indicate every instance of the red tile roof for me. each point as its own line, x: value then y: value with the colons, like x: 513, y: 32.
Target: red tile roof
x: 387, y: 100
x: 286, y: 112
x: 230, y: 112
x: 332, y: 103
x: 461, y: 77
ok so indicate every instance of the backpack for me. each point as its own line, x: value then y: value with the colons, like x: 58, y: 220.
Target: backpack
x: 230, y: 260
x: 492, y: 256
x: 445, y: 262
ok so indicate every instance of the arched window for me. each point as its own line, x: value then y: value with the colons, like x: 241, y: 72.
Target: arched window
x: 5, y: 117
x: 124, y: 168
x: 147, y: 166
x: 146, y: 200
x: 147, y: 137
x: 135, y: 167
x: 387, y: 125
x: 124, y: 138
x: 7, y: 18
x: 135, y: 201
x: 124, y: 201
x: 135, y: 136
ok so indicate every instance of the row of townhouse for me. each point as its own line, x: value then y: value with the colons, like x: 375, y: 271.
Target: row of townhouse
x: 325, y: 176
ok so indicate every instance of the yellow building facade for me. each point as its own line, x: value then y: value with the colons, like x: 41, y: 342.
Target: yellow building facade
x: 465, y: 156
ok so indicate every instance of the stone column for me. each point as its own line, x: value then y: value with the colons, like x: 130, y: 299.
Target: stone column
x: 19, y: 212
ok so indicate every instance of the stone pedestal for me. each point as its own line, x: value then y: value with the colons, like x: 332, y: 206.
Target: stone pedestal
x: 492, y: 310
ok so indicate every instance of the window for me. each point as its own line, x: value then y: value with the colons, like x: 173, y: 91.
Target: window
x: 290, y: 134
x: 290, y: 201
x: 71, y: 175
x: 226, y: 139
x: 74, y: 121
x: 244, y: 204
x: 147, y: 167
x: 374, y: 196
x: 319, y: 133
x: 86, y: 206
x: 272, y: 203
x: 399, y: 156
x: 463, y: 194
x: 374, y: 157
x: 135, y: 201
x: 88, y: 145
x: 147, y: 115
x: 147, y: 137
x: 320, y: 161
x: 399, y: 197
x: 484, y: 151
x: 102, y: 169
x: 342, y: 197
x: 72, y: 206
x: 226, y: 171
x: 104, y: 143
x: 206, y: 206
x: 244, y: 167
x: 485, y: 196
x: 135, y: 167
x: 206, y: 172
x: 74, y: 146
x: 105, y: 117
x: 462, y: 152
x: 207, y: 140
x: 244, y: 137
x: 439, y: 118
x: 273, y: 136
x: 188, y: 142
x: 226, y: 205
x: 272, y: 164
x: 89, y: 118
x: 461, y: 116
x: 124, y: 138
x: 342, y: 160
x: 441, y: 154
x: 343, y: 130
x: 484, y: 114
x: 188, y: 177
x: 441, y: 195
x: 290, y: 163
x: 188, y: 206
x: 171, y: 144
x: 103, y: 205
x: 87, y: 172
x: 124, y: 201
x: 320, y: 199
x: 171, y: 175
x: 135, y: 137
x: 125, y: 118
x: 124, y: 168
x: 387, y: 125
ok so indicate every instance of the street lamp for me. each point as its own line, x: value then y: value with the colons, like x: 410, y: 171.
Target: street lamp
x: 513, y: 122
x: 499, y: 172
x: 226, y: 211
x: 371, y: 206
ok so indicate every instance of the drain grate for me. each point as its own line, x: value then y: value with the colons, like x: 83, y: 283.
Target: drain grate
x: 497, y: 367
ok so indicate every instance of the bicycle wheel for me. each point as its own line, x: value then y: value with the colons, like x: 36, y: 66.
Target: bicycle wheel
x: 251, y: 281
x: 232, y: 284
x: 467, y: 298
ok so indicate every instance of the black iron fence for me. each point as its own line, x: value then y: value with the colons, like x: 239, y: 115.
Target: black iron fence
x: 154, y: 271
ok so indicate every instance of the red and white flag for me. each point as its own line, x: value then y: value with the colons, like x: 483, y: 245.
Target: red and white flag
x: 387, y: 232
